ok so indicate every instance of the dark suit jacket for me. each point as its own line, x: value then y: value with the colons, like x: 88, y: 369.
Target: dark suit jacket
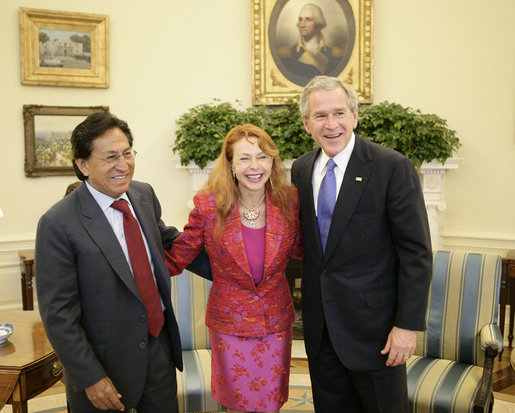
x: 290, y: 57
x: 89, y: 302
x: 376, y: 271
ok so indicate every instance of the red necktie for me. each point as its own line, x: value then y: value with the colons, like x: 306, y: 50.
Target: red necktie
x: 141, y: 269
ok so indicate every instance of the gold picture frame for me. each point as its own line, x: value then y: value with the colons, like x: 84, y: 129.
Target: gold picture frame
x: 280, y: 69
x: 47, y: 137
x: 60, y: 48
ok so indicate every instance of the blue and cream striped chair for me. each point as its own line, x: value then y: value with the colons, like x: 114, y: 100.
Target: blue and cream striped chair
x: 189, y: 299
x: 451, y: 370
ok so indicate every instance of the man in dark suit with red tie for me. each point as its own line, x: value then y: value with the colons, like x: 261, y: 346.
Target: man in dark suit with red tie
x: 103, y: 287
x: 367, y: 264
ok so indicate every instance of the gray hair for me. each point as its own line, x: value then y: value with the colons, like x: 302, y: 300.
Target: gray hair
x: 326, y: 83
x: 317, y: 15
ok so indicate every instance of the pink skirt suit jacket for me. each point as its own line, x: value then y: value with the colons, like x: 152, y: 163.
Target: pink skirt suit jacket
x: 236, y: 306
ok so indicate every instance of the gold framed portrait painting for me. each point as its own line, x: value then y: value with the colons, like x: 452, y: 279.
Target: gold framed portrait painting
x: 60, y: 48
x: 295, y: 40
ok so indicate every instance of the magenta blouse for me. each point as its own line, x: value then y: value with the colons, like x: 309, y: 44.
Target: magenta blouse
x: 255, y: 248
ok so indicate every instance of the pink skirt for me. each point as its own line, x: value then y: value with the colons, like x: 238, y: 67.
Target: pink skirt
x: 250, y: 373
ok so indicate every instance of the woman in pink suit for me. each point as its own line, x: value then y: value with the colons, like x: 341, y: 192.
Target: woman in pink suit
x: 247, y: 218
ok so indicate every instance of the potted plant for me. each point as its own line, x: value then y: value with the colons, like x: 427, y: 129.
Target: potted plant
x: 421, y: 137
x: 201, y: 131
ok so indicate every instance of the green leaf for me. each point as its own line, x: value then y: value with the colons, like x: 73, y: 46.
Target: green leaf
x: 421, y: 137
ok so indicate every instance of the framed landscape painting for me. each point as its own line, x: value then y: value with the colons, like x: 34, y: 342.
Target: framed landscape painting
x: 64, y: 48
x: 295, y: 40
x: 47, y: 137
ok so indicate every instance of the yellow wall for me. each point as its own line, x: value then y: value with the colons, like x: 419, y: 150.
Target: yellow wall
x: 453, y: 58
x: 457, y: 59
x: 161, y: 64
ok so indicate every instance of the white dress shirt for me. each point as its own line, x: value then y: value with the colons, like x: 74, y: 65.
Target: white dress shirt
x: 320, y: 168
x: 115, y: 219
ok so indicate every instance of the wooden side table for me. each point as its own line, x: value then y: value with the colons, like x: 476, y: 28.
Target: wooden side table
x: 507, y: 287
x: 27, y: 274
x: 28, y: 364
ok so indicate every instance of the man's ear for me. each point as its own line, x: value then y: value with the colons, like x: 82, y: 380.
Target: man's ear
x: 82, y: 164
x: 305, y: 122
x: 355, y: 118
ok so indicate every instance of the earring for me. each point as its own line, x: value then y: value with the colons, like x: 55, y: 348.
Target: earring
x: 271, y: 183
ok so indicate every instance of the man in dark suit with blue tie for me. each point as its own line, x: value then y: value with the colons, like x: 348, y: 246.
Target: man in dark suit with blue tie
x: 367, y: 264
x: 103, y: 287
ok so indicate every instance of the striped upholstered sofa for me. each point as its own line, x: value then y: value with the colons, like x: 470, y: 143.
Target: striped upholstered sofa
x: 451, y: 370
x: 189, y: 298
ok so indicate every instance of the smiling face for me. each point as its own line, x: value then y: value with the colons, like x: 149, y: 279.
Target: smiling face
x: 251, y: 165
x: 306, y: 24
x: 111, y: 178
x: 331, y: 121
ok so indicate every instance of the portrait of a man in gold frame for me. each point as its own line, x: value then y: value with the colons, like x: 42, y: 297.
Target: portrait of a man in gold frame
x: 294, y: 40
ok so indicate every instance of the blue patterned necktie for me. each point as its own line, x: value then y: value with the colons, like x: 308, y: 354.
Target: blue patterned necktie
x: 326, y: 201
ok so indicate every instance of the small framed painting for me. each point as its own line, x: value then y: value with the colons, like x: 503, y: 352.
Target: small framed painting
x: 47, y: 137
x: 64, y: 49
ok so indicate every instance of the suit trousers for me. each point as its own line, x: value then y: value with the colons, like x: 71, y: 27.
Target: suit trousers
x: 337, y: 389
x: 160, y: 390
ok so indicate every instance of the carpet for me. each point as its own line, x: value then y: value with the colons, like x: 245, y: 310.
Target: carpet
x: 300, y: 400
x: 55, y: 403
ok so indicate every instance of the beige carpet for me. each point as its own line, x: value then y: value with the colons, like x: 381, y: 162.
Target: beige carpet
x: 44, y: 404
x: 300, y: 401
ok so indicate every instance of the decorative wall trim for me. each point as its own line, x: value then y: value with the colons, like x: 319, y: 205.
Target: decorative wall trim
x: 432, y: 177
x: 484, y: 242
x: 13, y: 306
x: 199, y: 176
x: 13, y: 243
x: 10, y: 293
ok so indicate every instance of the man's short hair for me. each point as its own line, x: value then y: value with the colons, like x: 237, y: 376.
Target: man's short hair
x: 86, y: 132
x: 326, y: 83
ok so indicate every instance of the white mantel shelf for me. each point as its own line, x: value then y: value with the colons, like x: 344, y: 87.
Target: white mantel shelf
x: 432, y: 177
